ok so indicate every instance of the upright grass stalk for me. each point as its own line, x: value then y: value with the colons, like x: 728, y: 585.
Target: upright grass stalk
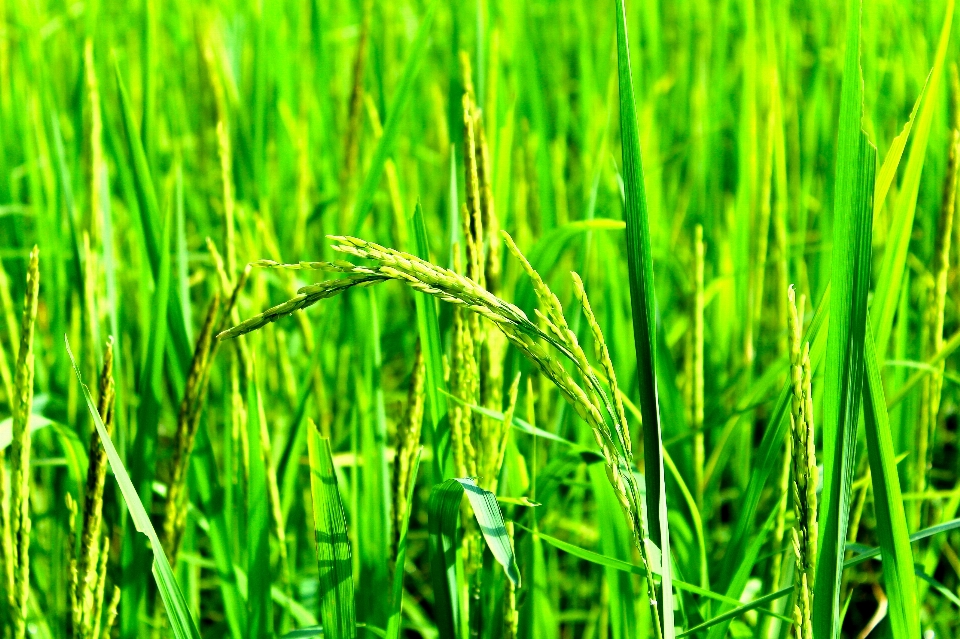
x: 351, y: 144
x: 85, y: 588
x: 20, y: 467
x: 805, y: 475
x: 408, y: 443
x: 934, y: 318
x: 699, y: 454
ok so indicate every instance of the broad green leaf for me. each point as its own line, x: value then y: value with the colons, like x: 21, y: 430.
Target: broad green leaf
x: 337, y: 603
x: 850, y: 281
x: 891, y: 527
x: 178, y: 612
x: 643, y: 302
x: 490, y: 520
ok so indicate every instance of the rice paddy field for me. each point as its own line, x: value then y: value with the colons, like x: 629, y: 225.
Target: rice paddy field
x: 479, y: 320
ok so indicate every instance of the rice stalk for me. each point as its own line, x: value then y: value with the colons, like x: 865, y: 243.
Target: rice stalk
x: 85, y: 587
x: 74, y: 611
x: 93, y: 614
x: 699, y: 453
x: 111, y: 616
x: 934, y: 319
x: 804, y: 475
x: 191, y: 406
x: 408, y: 442
x: 175, y: 512
x: 20, y: 467
x: 355, y: 104
x: 393, y: 180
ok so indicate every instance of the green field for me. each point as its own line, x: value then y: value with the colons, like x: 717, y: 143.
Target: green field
x: 541, y: 319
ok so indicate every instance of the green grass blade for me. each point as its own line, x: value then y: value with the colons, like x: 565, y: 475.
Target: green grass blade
x: 642, y: 299
x: 887, y: 293
x: 739, y: 580
x: 435, y: 386
x: 150, y: 388
x: 178, y: 612
x: 396, y: 601
x: 337, y: 604
x: 888, y: 170
x: 891, y: 528
x: 259, y: 608
x: 849, y: 563
x: 616, y: 542
x: 443, y: 516
x: 607, y: 561
x: 850, y: 280
x: 205, y: 478
x: 151, y: 220
x: 391, y: 127
x: 769, y: 455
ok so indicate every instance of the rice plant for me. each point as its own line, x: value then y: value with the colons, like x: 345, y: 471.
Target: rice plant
x: 487, y: 320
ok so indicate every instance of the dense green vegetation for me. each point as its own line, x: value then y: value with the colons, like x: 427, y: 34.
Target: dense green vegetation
x: 450, y: 320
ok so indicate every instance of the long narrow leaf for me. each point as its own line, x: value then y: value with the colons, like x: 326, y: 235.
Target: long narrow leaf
x: 642, y: 299
x: 393, y: 624
x: 886, y: 296
x: 898, y: 569
x: 850, y: 280
x: 258, y: 526
x: 435, y: 386
x: 178, y: 611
